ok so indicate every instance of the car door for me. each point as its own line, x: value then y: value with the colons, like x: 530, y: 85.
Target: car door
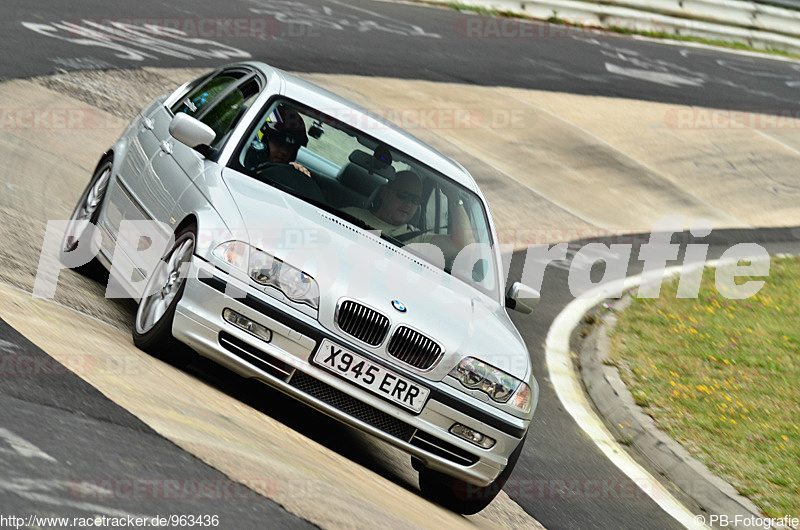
x: 172, y: 166
x: 125, y: 194
x: 220, y: 103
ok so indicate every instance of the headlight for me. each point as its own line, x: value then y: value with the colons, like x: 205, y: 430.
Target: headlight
x: 296, y: 284
x: 266, y: 269
x: 495, y: 383
x: 471, y: 372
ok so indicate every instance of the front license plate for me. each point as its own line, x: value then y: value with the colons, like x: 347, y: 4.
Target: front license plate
x: 371, y: 376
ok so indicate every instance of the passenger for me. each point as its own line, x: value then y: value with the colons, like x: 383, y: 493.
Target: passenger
x: 399, y: 201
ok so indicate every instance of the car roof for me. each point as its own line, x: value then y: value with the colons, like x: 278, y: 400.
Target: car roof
x: 368, y: 121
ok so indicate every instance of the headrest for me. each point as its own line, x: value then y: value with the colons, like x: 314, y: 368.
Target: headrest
x: 358, y: 179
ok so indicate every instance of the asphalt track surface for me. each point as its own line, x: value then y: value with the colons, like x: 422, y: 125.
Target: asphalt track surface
x: 65, y: 450
x: 393, y: 40
x: 369, y: 38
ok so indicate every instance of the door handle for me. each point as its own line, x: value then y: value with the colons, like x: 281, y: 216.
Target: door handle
x: 147, y: 123
x: 166, y: 147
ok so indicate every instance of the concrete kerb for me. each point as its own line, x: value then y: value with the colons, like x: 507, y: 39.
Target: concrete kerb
x: 625, y: 420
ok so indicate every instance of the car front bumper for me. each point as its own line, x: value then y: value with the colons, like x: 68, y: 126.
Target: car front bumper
x: 283, y: 363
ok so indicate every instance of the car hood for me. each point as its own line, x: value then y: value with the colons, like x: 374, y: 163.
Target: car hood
x: 350, y: 263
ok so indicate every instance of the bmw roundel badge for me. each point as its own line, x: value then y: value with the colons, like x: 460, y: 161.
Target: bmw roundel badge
x: 399, y: 306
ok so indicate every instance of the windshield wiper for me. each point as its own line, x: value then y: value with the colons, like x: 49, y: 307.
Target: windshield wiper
x: 348, y: 217
x: 393, y: 240
x: 365, y: 226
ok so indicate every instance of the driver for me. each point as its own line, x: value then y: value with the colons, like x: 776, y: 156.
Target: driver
x: 399, y: 202
x: 285, y: 132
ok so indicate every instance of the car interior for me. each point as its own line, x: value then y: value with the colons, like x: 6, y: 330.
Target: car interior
x: 348, y: 169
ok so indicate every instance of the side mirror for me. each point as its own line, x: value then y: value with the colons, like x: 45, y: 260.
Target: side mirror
x: 191, y: 131
x: 522, y: 298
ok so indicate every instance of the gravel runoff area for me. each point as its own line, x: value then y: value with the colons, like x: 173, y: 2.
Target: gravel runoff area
x: 121, y: 93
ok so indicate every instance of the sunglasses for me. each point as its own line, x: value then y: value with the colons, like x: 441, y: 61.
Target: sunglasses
x: 408, y: 197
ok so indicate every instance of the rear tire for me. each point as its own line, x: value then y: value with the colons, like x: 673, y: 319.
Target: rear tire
x: 460, y: 496
x: 152, y: 329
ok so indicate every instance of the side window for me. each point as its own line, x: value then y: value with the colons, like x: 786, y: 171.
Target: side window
x: 228, y: 109
x: 202, y: 96
x: 218, y: 103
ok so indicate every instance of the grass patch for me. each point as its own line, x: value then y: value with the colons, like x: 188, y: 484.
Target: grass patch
x: 555, y: 19
x: 701, y: 40
x: 722, y: 377
x: 458, y: 6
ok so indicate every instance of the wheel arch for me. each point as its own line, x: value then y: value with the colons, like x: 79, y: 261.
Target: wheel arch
x: 108, y: 155
x: 190, y: 220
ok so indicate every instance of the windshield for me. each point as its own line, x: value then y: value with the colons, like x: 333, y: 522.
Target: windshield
x: 374, y: 186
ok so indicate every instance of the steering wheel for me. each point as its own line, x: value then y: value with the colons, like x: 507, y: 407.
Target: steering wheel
x: 274, y: 170
x: 410, y: 235
x: 290, y: 179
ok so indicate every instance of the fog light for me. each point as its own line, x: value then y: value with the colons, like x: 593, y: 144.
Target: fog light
x: 472, y: 436
x: 244, y: 323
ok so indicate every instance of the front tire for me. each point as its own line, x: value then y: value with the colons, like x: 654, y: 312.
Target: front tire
x: 460, y: 496
x: 80, y: 237
x: 152, y: 329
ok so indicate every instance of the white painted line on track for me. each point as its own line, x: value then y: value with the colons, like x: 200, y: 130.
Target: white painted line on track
x: 569, y: 388
x: 570, y: 392
x: 22, y: 447
x: 36, y: 490
x: 782, y: 144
